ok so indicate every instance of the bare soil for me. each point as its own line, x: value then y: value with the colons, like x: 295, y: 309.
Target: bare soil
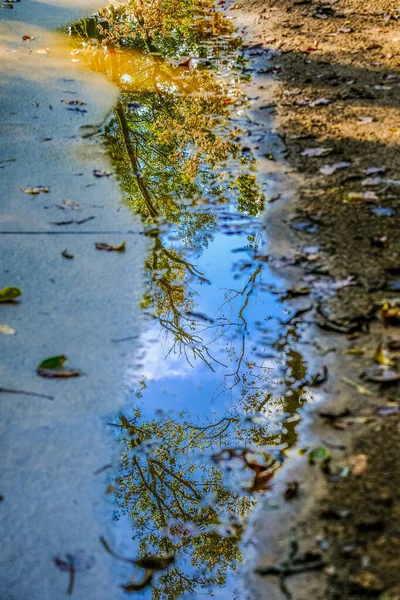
x: 337, y: 68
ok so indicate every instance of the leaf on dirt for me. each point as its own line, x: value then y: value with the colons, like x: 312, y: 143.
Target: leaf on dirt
x: 381, y: 358
x: 358, y: 463
x: 372, y: 181
x: 390, y: 312
x: 321, y: 102
x: 379, y: 241
x: 109, y: 248
x: 69, y: 204
x: 390, y: 410
x: 9, y: 294
x: 375, y: 171
x: 67, y: 254
x: 53, y: 368
x: 366, y: 120
x: 101, y: 173
x: 6, y: 329
x: 361, y: 196
x: 314, y: 152
x: 330, y: 169
x: 34, y: 191
x: 381, y: 374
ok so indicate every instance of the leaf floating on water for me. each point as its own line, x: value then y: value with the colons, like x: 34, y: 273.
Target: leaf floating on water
x: 315, y: 152
x: 100, y: 173
x: 53, y: 368
x: 34, y: 191
x: 7, y: 330
x: 321, y: 102
x: 361, y: 196
x: 67, y: 254
x: 365, y: 120
x: 109, y: 248
x: 28, y: 38
x: 10, y: 294
x: 74, y: 102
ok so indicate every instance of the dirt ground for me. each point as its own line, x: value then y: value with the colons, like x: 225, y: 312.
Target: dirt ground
x: 337, y: 68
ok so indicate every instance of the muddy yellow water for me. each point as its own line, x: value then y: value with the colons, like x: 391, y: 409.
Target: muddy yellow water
x: 216, y: 390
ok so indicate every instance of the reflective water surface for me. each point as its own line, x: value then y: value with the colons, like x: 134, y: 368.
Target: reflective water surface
x: 213, y: 403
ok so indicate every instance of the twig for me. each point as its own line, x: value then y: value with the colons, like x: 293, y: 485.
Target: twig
x: 22, y: 393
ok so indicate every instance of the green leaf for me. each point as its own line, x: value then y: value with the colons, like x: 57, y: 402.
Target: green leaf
x: 54, y: 362
x: 319, y: 454
x: 9, y: 294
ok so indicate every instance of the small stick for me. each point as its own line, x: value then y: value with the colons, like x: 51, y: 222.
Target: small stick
x: 22, y: 393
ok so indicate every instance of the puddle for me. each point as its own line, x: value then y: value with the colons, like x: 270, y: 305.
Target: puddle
x: 214, y: 399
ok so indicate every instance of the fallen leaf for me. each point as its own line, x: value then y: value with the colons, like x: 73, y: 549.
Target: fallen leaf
x: 34, y: 191
x: 321, y: 102
x: 7, y: 330
x: 9, y: 294
x: 361, y: 196
x: 28, y: 38
x: 320, y: 454
x: 314, y: 152
x: 66, y: 254
x: 380, y: 356
x: 381, y: 374
x: 330, y: 169
x: 53, y: 368
x: 109, y: 248
x: 101, y: 173
x: 74, y: 102
x: 389, y: 410
x: 375, y: 171
x: 372, y: 181
x: 365, y: 120
x: 358, y: 463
